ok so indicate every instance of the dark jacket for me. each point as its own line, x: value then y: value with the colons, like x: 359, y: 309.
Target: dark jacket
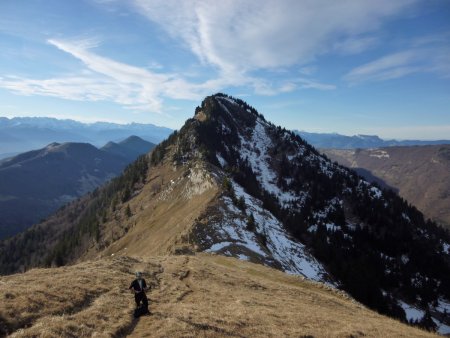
x: 135, y: 285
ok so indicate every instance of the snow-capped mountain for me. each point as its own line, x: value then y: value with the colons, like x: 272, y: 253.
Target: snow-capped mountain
x: 231, y: 183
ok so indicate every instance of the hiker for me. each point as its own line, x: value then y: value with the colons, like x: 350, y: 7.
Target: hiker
x: 139, y: 287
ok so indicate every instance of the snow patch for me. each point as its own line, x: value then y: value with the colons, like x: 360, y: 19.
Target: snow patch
x: 269, y: 241
x: 243, y: 257
x: 446, y: 247
x: 312, y: 228
x: 405, y: 259
x: 376, y: 192
x: 332, y: 227
x: 443, y: 306
x: 219, y: 246
x: 222, y: 161
x: 351, y: 226
x: 406, y: 217
x: 412, y: 313
x: 255, y: 151
x: 441, y: 327
x: 379, y: 154
x: 229, y: 100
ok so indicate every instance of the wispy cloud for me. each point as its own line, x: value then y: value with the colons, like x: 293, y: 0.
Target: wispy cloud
x: 388, y: 67
x: 311, y: 84
x: 355, y: 45
x: 238, y: 36
x: 134, y: 87
x: 105, y: 79
x: 241, y: 42
x: 426, y: 54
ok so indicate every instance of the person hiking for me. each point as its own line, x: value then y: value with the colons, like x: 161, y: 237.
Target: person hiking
x: 139, y: 286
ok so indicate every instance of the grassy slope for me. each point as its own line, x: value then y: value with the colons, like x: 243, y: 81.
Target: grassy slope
x: 163, y: 214
x: 420, y: 173
x: 192, y: 296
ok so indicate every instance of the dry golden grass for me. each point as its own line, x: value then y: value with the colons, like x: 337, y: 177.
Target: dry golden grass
x: 214, y: 296
x: 163, y: 214
x: 88, y: 299
x: 193, y: 296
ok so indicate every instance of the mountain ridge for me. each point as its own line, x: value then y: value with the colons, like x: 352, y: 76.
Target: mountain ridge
x: 36, y: 183
x: 21, y: 134
x: 231, y: 183
x: 339, y: 141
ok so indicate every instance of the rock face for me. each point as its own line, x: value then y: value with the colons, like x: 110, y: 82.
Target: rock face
x: 231, y: 183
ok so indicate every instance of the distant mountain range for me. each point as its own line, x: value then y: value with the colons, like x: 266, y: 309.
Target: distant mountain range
x: 338, y: 141
x: 36, y: 183
x: 21, y: 134
x: 421, y: 174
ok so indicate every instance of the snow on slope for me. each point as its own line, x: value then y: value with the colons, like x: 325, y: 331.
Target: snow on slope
x: 415, y: 314
x: 270, y: 240
x: 255, y: 151
x: 279, y: 246
x: 412, y: 313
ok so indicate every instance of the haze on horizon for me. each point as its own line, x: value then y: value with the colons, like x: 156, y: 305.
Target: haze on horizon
x: 352, y: 67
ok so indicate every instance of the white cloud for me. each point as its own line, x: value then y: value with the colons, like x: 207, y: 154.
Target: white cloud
x: 238, y: 36
x: 105, y: 79
x: 311, y: 84
x: 134, y: 87
x: 242, y: 40
x: 308, y: 70
x: 397, y: 65
x: 355, y: 45
x: 387, y: 67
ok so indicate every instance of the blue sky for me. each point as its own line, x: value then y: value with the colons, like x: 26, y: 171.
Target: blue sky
x: 354, y: 67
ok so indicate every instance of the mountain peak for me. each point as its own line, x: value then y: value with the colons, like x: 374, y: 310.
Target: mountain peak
x: 53, y: 145
x: 231, y: 183
x: 132, y: 139
x: 225, y: 106
x: 129, y: 148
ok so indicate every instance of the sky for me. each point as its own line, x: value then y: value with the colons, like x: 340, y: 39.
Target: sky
x: 350, y: 66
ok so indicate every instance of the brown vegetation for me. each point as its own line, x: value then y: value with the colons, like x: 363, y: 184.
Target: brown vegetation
x: 191, y: 296
x: 421, y: 174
